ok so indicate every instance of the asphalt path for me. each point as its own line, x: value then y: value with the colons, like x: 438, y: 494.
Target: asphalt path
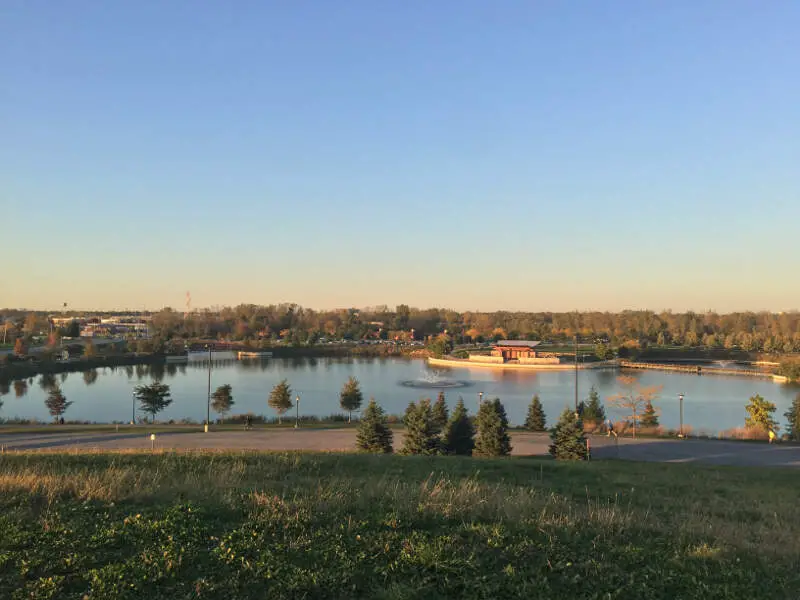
x: 716, y: 452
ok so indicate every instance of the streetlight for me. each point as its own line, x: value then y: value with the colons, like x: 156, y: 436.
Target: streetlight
x: 133, y: 407
x: 480, y: 400
x: 680, y: 431
x: 208, y: 395
x: 576, y: 375
x: 297, y: 411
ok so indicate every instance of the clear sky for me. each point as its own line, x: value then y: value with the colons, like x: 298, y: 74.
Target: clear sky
x: 535, y: 155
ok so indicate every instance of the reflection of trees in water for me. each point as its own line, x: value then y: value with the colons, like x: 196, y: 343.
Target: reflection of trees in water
x: 47, y: 381
x: 64, y: 376
x: 606, y: 377
x: 141, y: 371
x: 90, y: 376
x: 5, y: 387
x: 20, y: 388
x: 172, y: 369
x: 129, y: 371
x: 313, y: 363
x: 182, y: 369
x: 157, y: 371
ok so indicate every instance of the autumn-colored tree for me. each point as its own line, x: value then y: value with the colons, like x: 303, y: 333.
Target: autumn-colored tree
x: 280, y: 399
x: 759, y: 414
x: 20, y: 347
x: 350, y: 398
x: 222, y: 400
x: 634, y: 398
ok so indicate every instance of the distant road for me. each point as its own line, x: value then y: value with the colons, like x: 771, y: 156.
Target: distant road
x: 524, y: 444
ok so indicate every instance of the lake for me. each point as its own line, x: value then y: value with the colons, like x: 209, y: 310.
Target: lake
x: 712, y: 402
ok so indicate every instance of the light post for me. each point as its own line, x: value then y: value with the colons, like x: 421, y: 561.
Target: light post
x: 133, y: 407
x: 208, y: 395
x: 576, y: 375
x: 680, y: 430
x: 480, y: 400
x: 297, y: 411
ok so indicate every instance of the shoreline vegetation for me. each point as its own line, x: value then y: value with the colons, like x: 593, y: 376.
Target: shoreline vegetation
x: 313, y: 525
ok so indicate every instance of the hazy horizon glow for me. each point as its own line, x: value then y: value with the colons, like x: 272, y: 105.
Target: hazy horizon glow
x: 572, y: 156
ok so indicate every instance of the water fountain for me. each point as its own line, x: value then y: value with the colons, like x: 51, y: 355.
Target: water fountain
x: 434, y: 380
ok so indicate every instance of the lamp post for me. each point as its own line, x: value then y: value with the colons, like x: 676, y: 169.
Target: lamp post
x: 480, y: 400
x: 576, y: 375
x: 680, y: 430
x: 297, y: 411
x: 208, y: 395
x: 133, y: 407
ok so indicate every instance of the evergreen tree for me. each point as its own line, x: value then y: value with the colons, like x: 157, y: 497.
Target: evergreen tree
x: 421, y: 432
x: 440, y: 414
x: 536, y: 420
x: 350, y: 398
x: 793, y: 416
x: 760, y: 414
x: 492, y: 425
x: 56, y: 402
x: 280, y: 399
x: 569, y: 442
x: 459, y: 434
x: 153, y: 398
x: 594, y: 412
x: 222, y: 400
x: 649, y: 416
x: 373, y: 433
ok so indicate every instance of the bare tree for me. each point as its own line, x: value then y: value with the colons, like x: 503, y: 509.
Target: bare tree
x: 634, y: 398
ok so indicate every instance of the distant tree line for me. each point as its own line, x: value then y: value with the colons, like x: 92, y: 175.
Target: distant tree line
x: 294, y: 324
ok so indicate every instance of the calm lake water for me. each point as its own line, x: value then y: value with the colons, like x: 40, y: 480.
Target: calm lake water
x: 711, y: 402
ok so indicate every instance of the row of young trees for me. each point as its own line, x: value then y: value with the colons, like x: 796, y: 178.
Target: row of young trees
x: 431, y: 430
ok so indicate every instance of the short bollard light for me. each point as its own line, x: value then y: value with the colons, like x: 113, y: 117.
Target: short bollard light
x: 152, y: 441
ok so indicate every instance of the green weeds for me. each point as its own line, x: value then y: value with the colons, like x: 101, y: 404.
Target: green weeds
x: 296, y: 525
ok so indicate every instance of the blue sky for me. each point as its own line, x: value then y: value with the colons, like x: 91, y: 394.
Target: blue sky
x: 474, y: 155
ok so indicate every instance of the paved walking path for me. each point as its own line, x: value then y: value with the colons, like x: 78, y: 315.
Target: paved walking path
x: 337, y: 440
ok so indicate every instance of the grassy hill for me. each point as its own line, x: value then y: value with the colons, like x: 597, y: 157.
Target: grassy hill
x: 295, y: 525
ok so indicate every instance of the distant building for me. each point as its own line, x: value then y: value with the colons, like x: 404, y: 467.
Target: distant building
x: 515, y: 349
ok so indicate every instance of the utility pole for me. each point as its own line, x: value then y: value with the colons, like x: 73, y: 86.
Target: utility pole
x: 576, y: 375
x: 208, y: 396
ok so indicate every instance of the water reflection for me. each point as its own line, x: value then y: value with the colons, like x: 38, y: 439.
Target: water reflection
x: 129, y: 371
x: 5, y: 388
x: 20, y: 388
x: 63, y: 376
x: 90, y: 376
x: 47, y: 381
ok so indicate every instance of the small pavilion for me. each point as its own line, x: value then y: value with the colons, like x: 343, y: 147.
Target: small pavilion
x: 515, y: 349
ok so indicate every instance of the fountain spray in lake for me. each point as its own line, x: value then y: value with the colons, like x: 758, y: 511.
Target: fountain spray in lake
x: 434, y: 380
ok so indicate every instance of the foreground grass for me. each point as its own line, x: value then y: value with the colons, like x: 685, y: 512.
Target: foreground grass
x: 297, y: 525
